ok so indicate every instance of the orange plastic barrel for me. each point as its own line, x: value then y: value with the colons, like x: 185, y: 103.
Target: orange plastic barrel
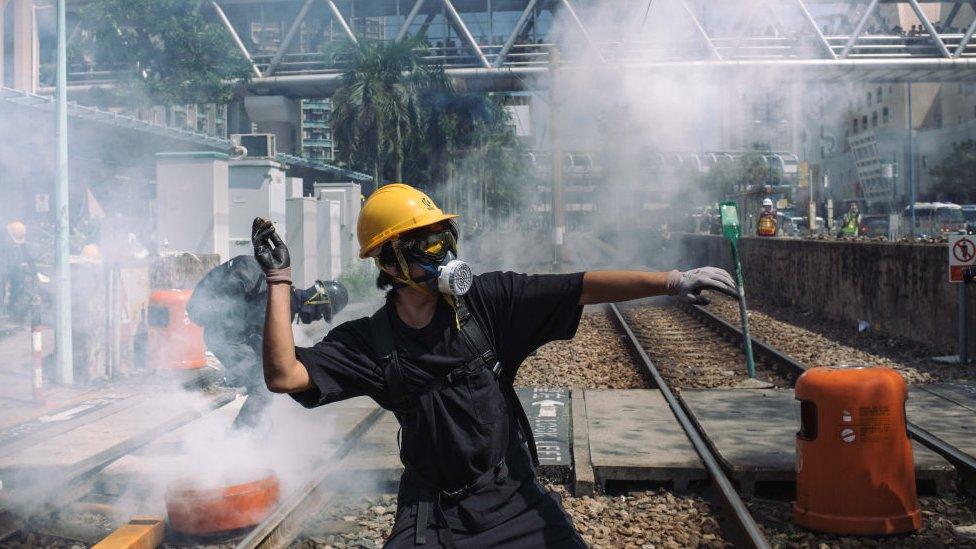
x: 854, y: 472
x: 203, y: 511
x: 174, y: 341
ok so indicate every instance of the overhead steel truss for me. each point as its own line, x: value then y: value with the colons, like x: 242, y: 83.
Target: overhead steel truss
x: 804, y: 52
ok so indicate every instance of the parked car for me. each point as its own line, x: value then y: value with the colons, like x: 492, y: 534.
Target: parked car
x: 874, y: 225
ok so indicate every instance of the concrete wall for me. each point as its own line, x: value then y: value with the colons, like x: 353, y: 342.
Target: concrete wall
x: 901, y: 289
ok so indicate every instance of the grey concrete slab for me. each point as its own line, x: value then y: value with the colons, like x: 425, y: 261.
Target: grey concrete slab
x: 948, y: 411
x: 375, y: 461
x: 583, y: 477
x: 59, y: 458
x: 754, y: 434
x: 634, y: 436
x: 962, y: 394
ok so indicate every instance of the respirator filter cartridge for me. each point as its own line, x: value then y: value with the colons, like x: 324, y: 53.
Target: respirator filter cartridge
x: 454, y: 278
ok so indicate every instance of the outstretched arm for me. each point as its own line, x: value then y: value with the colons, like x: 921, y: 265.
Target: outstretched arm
x: 614, y: 286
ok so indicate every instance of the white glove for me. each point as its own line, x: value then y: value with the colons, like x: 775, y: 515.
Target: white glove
x: 687, y: 286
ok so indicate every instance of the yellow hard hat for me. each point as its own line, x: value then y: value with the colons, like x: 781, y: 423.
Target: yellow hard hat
x: 17, y: 231
x: 392, y: 210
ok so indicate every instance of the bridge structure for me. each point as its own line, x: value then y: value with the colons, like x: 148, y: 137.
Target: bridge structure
x: 789, y: 40
x: 294, y: 46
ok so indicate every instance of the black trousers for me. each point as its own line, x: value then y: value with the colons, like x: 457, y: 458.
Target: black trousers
x: 240, y: 355
x: 545, y: 524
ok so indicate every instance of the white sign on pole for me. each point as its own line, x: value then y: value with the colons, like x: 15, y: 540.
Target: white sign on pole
x: 42, y: 203
x: 962, y: 254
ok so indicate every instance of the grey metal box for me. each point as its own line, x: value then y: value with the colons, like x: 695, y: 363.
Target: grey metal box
x: 301, y: 241
x: 192, y: 203
x: 257, y: 189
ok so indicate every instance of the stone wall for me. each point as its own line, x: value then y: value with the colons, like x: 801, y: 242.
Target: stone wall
x: 901, y: 289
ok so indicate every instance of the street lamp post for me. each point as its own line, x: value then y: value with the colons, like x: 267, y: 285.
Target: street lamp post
x: 62, y: 251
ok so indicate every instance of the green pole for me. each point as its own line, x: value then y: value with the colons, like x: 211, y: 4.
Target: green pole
x: 746, y: 340
x: 730, y: 228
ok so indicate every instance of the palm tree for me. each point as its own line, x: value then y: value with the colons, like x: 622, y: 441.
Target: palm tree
x: 376, y: 110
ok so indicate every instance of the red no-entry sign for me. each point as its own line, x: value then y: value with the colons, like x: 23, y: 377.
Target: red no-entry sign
x: 962, y: 254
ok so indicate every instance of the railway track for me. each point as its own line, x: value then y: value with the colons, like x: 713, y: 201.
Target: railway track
x: 734, y: 505
x: 742, y: 526
x: 672, y: 338
x: 964, y: 462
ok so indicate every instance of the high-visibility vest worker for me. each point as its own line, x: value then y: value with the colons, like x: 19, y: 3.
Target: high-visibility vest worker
x: 766, y: 226
x: 852, y: 221
x: 443, y: 354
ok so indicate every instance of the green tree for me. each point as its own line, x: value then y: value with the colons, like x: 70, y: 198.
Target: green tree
x: 955, y: 176
x: 172, y: 51
x: 376, y: 111
x: 396, y: 114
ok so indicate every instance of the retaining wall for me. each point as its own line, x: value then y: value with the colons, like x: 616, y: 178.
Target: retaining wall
x: 901, y: 289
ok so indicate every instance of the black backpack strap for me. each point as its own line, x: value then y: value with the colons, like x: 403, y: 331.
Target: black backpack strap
x: 474, y: 336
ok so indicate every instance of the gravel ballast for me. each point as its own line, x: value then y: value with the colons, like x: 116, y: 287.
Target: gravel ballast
x: 641, y: 519
x: 688, y: 354
x: 946, y: 522
x: 597, y: 358
x: 816, y: 341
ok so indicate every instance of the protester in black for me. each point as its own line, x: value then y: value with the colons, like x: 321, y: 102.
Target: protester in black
x: 229, y: 304
x: 442, y: 354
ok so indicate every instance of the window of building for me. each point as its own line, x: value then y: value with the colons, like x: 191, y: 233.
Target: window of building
x: 974, y: 111
x: 885, y: 115
x: 864, y: 121
x: 925, y: 161
x: 869, y: 98
x: 856, y: 127
x: 874, y: 119
x: 879, y: 94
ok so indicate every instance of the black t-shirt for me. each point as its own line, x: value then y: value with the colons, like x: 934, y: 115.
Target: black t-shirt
x: 459, y: 432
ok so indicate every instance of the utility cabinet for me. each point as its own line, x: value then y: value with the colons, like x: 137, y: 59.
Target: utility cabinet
x: 257, y: 189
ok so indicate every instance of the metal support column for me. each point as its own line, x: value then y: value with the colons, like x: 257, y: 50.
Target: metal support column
x: 409, y: 20
x: 233, y: 34
x: 3, y: 53
x: 558, y: 205
x: 911, y: 166
x: 858, y: 30
x: 289, y: 36
x: 963, y: 333
x: 62, y: 251
x: 342, y: 21
x: 25, y: 52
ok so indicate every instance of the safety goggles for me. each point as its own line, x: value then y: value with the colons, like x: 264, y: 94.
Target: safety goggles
x: 430, y: 247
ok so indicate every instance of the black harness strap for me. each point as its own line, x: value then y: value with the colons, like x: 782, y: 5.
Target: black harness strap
x: 484, y: 355
x: 478, y: 343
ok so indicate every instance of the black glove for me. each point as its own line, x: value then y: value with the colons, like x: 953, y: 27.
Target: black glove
x: 270, y: 252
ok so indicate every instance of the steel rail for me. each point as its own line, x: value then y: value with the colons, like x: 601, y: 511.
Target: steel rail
x: 729, y: 495
x: 964, y: 462
x: 285, y: 522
